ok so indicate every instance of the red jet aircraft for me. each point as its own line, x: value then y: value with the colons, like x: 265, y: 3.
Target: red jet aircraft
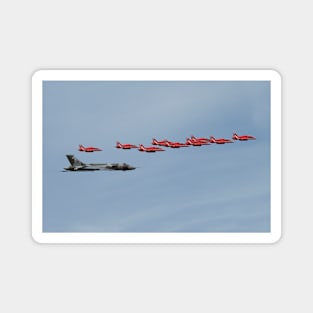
x: 167, y: 143
x: 176, y: 144
x: 160, y: 143
x: 197, y: 143
x: 201, y: 139
x: 220, y: 140
x: 243, y: 138
x: 149, y: 149
x: 125, y: 146
x: 88, y: 149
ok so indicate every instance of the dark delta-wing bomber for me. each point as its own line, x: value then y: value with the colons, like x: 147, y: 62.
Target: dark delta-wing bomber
x: 77, y: 165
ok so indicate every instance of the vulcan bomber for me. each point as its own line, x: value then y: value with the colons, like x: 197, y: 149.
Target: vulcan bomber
x: 77, y: 165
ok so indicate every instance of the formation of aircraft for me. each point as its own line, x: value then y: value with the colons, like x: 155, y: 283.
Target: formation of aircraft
x: 77, y: 165
x: 88, y: 149
x: 190, y: 141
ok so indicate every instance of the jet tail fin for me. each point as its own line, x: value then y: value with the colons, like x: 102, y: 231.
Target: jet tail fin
x: 74, y: 161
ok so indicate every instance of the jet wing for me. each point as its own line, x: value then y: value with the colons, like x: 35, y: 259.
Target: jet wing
x: 119, y: 167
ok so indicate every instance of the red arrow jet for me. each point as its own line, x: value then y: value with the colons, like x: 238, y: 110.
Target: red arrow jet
x: 149, y: 149
x: 88, y: 149
x: 160, y: 143
x: 243, y: 137
x: 125, y: 146
x: 167, y: 143
x: 201, y: 139
x: 220, y: 141
x: 176, y: 144
x: 197, y: 143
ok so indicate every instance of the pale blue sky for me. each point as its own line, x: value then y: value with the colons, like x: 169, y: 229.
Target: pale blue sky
x: 215, y: 188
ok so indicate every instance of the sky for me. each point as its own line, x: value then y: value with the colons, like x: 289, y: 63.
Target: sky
x: 214, y: 188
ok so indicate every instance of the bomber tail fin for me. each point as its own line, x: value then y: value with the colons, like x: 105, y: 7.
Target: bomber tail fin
x: 74, y: 161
